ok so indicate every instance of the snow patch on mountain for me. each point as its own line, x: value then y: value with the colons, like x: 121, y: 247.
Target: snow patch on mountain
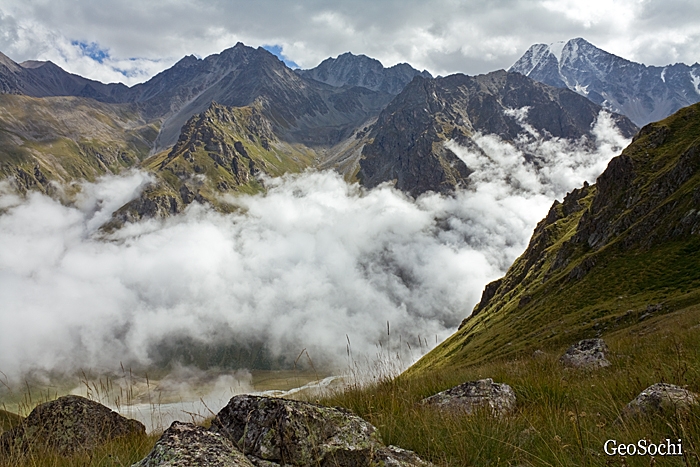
x: 555, y: 48
x: 696, y: 81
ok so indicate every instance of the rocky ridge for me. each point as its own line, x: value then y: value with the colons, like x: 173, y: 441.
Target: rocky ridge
x: 407, y: 144
x: 642, y: 93
x: 359, y: 70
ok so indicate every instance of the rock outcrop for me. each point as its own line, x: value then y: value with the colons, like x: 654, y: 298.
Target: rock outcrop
x: 273, y: 431
x: 586, y: 354
x: 472, y: 396
x: 68, y: 425
x: 185, y: 445
x: 661, y: 398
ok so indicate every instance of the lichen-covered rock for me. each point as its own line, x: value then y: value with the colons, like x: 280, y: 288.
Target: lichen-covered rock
x: 587, y: 354
x: 471, y: 396
x: 661, y: 398
x: 69, y: 424
x: 286, y: 432
x: 185, y: 445
x: 393, y: 456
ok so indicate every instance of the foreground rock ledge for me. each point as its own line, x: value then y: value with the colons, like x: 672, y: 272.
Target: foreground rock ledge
x: 473, y: 395
x: 661, y: 398
x: 272, y: 431
x: 586, y: 354
x: 185, y: 445
x: 68, y: 425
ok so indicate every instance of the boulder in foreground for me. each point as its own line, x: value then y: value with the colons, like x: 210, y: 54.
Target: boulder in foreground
x: 474, y: 395
x: 185, y: 445
x: 68, y: 425
x: 272, y: 431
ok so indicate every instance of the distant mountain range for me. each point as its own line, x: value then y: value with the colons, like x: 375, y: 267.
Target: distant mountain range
x: 407, y: 142
x: 359, y: 70
x: 233, y: 115
x: 643, y: 93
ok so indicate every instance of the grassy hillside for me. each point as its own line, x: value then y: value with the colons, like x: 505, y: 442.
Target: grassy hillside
x: 68, y: 138
x: 563, y: 416
x: 607, y: 257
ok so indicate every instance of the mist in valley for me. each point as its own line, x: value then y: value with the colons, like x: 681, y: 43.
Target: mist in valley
x: 314, y: 267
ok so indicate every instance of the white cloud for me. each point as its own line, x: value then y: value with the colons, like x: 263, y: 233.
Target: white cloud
x: 444, y: 36
x: 306, y: 264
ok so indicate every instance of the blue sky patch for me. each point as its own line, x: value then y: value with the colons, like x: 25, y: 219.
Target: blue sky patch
x: 92, y: 50
x: 277, y: 51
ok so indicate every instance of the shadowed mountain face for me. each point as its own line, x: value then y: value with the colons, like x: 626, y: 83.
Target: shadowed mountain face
x: 407, y: 142
x: 359, y: 70
x: 607, y: 256
x: 44, y: 79
x: 642, y: 93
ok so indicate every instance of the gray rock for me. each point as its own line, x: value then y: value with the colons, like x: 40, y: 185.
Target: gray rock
x: 278, y: 431
x: 588, y: 354
x: 185, y: 445
x: 393, y: 456
x: 471, y: 396
x: 68, y: 425
x: 661, y: 398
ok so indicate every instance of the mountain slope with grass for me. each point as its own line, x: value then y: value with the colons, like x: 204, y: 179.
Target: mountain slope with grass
x: 608, y: 256
x: 64, y: 139
x: 222, y: 150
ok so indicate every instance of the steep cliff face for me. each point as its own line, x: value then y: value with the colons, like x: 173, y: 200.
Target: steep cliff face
x: 607, y: 256
x: 642, y: 93
x: 359, y: 70
x: 407, y: 143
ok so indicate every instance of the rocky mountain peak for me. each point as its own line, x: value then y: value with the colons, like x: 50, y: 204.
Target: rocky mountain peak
x: 642, y: 93
x: 359, y: 70
x: 408, y: 141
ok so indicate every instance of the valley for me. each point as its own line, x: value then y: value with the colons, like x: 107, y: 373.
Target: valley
x: 355, y: 236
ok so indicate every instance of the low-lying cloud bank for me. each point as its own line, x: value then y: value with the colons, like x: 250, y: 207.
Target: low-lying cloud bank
x: 313, y: 263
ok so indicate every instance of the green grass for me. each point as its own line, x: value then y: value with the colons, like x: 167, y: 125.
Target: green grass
x: 122, y: 452
x: 563, y: 416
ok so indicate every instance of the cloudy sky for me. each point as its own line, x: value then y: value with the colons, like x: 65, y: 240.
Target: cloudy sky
x: 131, y: 40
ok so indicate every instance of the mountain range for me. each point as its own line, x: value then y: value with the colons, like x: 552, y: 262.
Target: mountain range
x: 201, y: 116
x: 643, y: 93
